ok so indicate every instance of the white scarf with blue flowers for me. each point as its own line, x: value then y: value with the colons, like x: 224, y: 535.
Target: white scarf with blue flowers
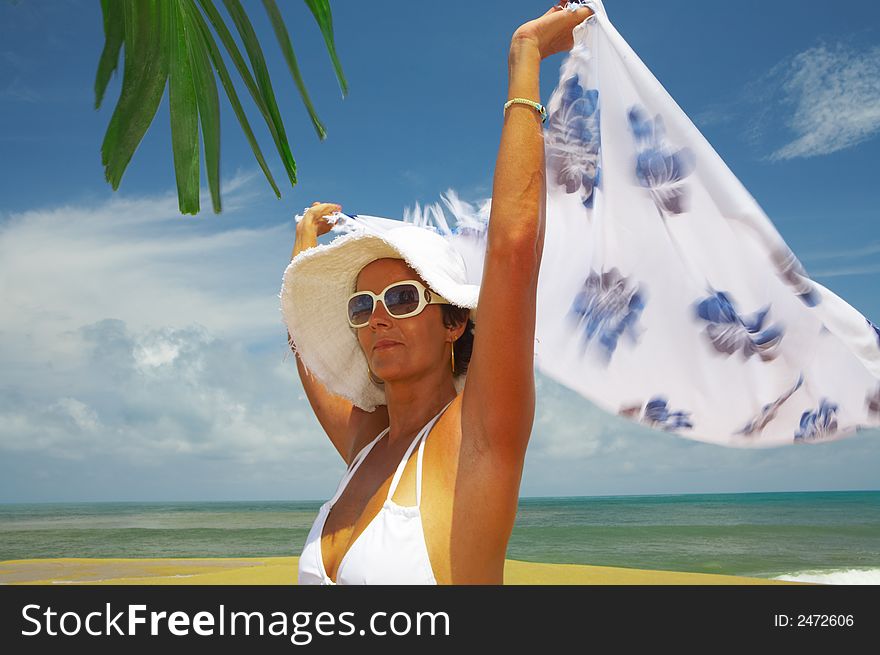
x: 666, y: 295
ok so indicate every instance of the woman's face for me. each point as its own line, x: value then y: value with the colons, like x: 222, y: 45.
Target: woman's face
x: 421, y: 340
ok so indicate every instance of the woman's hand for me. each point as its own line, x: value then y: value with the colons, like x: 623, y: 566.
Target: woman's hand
x: 316, y: 217
x: 552, y: 32
x: 313, y: 224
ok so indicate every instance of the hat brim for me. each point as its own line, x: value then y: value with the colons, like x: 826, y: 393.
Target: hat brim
x: 316, y: 286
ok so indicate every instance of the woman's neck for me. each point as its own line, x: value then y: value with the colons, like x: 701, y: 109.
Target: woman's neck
x: 412, y: 403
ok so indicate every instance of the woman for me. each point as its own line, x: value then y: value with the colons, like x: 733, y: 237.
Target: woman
x: 444, y: 516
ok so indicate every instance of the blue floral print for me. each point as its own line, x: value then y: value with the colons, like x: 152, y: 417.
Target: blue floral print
x: 768, y: 411
x: 819, y: 423
x: 792, y: 272
x: 872, y: 401
x: 876, y: 329
x: 572, y: 141
x: 658, y: 168
x: 730, y: 332
x: 658, y: 415
x: 607, y: 306
x: 666, y: 292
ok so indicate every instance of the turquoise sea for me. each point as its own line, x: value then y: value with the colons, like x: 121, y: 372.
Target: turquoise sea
x: 830, y: 537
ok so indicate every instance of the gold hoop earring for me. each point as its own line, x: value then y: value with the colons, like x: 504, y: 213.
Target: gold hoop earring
x: 453, y: 358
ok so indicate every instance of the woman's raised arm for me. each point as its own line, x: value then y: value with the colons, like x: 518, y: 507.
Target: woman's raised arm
x: 498, y: 402
x: 336, y: 414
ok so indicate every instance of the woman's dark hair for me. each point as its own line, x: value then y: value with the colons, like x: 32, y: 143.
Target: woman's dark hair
x: 464, y: 345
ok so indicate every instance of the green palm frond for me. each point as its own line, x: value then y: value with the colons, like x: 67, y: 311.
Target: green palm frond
x: 170, y: 42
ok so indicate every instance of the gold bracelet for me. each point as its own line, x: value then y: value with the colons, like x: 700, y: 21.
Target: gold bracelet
x: 523, y: 101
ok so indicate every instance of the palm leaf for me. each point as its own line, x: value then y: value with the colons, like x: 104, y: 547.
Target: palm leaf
x: 237, y: 59
x: 184, y: 110
x: 226, y: 80
x: 143, y: 84
x: 321, y: 11
x: 170, y: 41
x: 208, y: 101
x: 261, y: 74
x: 287, y: 49
x: 114, y: 32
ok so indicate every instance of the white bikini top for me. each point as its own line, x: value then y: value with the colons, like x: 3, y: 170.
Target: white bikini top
x: 391, y: 549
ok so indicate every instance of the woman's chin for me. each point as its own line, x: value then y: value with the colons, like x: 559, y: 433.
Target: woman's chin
x: 388, y: 375
x: 389, y: 372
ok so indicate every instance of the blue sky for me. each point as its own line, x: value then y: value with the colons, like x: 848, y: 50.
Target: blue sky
x: 143, y: 353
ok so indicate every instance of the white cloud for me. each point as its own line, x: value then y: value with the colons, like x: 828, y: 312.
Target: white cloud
x: 845, y: 265
x: 867, y: 269
x: 139, y: 261
x: 846, y: 253
x: 835, y: 95
x: 144, y: 356
x: 568, y: 427
x: 718, y: 114
x: 132, y: 332
x: 83, y: 416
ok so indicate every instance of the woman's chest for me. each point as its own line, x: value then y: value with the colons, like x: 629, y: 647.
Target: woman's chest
x: 458, y: 511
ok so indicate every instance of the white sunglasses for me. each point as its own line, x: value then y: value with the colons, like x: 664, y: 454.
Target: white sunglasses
x: 401, y: 299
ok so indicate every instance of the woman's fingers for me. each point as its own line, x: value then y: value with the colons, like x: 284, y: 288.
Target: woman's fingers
x: 324, y: 207
x: 318, y: 213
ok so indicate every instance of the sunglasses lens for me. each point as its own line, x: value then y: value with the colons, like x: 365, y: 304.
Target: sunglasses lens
x: 359, y: 309
x: 402, y: 299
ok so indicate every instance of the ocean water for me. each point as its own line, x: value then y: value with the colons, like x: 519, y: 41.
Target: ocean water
x: 827, y: 537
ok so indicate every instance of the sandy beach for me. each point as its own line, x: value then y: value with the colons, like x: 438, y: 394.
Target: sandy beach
x: 282, y: 571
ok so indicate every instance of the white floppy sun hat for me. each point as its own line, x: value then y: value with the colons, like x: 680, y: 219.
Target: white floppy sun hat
x: 318, y: 282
